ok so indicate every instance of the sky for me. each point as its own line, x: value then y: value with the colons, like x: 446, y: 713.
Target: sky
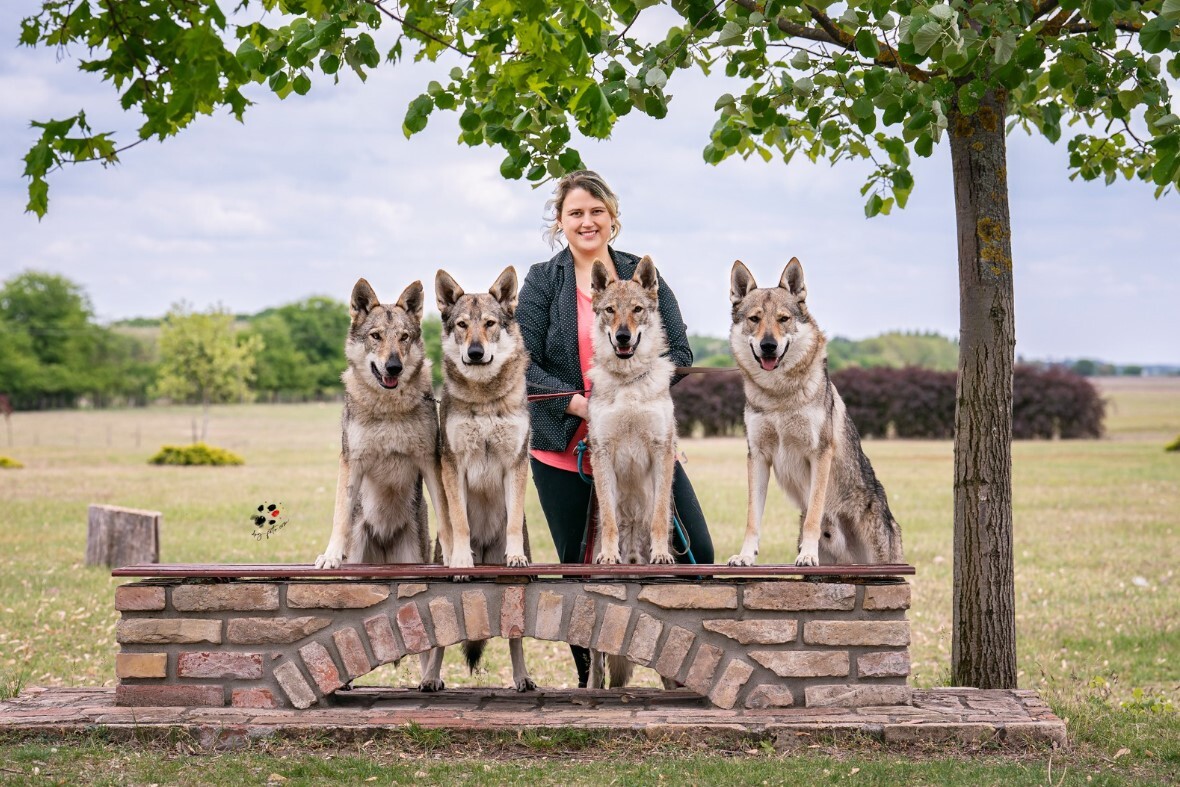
x: 313, y: 192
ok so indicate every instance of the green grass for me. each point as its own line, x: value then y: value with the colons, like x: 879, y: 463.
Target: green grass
x: 1096, y: 544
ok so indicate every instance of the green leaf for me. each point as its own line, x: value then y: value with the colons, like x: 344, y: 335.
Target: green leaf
x: 302, y: 84
x: 277, y: 81
x: 1005, y: 46
x: 924, y: 145
x: 570, y: 159
x: 801, y: 60
x: 330, y: 63
x: 873, y: 206
x: 731, y: 34
x: 1156, y: 35
x: 1170, y: 9
x: 1167, y: 121
x: 655, y: 77
x: 926, y: 37
x: 866, y: 43
x: 862, y: 108
x: 943, y: 13
x: 730, y: 137
x: 726, y: 100
x: 470, y: 120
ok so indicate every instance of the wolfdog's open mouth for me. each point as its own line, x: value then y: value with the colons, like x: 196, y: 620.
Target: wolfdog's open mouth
x: 386, y: 380
x: 626, y: 352
x: 771, y: 363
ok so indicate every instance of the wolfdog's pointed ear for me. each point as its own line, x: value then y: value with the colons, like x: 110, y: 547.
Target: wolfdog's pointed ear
x: 741, y: 283
x: 504, y: 290
x: 792, y: 279
x: 646, y: 275
x: 411, y: 300
x: 363, y: 301
x: 599, y: 277
x: 446, y: 291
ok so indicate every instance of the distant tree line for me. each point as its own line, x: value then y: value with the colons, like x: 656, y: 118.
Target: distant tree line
x: 911, y: 402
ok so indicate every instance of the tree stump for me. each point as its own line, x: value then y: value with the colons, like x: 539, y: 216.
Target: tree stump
x: 118, y: 537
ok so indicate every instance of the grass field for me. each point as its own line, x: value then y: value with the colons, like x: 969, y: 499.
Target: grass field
x: 1096, y: 544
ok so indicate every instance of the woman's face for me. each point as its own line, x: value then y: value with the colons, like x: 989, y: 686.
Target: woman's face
x: 586, y: 223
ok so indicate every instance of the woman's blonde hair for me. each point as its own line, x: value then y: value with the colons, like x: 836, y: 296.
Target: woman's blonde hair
x: 593, y: 184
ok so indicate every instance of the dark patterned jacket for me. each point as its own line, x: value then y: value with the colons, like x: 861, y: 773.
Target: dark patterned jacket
x: 548, y: 317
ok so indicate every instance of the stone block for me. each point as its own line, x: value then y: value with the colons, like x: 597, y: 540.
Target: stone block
x: 272, y: 631
x: 294, y: 685
x: 725, y: 692
x: 352, y: 653
x: 887, y: 597
x: 512, y: 612
x: 219, y: 598
x: 475, y: 615
x: 141, y: 665
x: 675, y: 648
x: 409, y: 622
x: 857, y: 632
x: 139, y: 598
x: 219, y: 664
x: 547, y: 621
x: 755, y: 632
x: 253, y: 698
x: 166, y: 631
x: 704, y: 665
x: 156, y: 696
x: 335, y: 595
x: 445, y: 621
x: 582, y: 622
x: 846, y: 696
x: 690, y: 596
x: 614, y: 629
x: 320, y: 666
x: 644, y: 639
x: 799, y: 596
x: 959, y: 732
x: 410, y: 589
x: 614, y: 591
x: 885, y: 664
x: 770, y: 696
x: 803, y: 663
x: 385, y: 646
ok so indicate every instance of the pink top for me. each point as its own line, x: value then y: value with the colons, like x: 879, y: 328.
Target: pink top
x: 568, y: 459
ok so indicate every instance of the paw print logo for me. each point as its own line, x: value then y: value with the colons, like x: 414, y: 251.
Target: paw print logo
x: 267, y: 520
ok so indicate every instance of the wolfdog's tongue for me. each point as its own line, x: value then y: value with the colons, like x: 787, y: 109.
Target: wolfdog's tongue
x: 389, y: 382
x: 768, y: 363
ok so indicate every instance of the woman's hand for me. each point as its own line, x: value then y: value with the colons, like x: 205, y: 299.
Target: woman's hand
x: 579, y: 406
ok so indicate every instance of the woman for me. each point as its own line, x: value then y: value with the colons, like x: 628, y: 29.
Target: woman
x: 557, y: 321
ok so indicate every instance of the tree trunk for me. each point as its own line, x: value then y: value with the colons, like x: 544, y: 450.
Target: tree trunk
x: 118, y: 537
x: 983, y: 651
x: 205, y: 417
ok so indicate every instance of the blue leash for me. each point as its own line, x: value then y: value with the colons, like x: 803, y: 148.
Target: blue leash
x: 580, y: 450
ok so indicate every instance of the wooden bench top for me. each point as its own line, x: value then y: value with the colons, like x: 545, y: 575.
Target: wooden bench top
x: 415, y: 571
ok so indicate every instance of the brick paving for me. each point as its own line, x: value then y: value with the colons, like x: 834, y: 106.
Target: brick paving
x: 952, y: 716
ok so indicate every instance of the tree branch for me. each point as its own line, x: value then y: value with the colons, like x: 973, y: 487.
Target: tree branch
x: 378, y: 5
x: 828, y: 33
x: 1042, y: 8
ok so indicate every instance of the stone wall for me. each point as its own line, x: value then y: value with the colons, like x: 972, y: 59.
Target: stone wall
x: 754, y: 643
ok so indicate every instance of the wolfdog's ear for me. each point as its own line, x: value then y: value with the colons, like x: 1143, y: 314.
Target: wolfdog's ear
x: 792, y: 279
x: 599, y: 276
x: 446, y: 291
x: 645, y: 274
x: 411, y: 300
x: 741, y: 283
x: 504, y: 290
x: 363, y: 301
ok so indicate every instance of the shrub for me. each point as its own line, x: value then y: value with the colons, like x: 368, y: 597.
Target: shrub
x: 712, y: 401
x: 1174, y: 445
x: 8, y: 463
x: 1054, y: 402
x: 910, y: 402
x: 195, y: 454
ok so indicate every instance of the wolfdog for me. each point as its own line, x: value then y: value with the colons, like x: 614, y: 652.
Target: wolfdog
x: 796, y: 425
x: 632, y: 430
x: 484, y: 420
x: 390, y: 440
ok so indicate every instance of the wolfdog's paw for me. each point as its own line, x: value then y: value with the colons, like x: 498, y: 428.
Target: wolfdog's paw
x: 329, y: 561
x: 607, y: 559
x: 807, y: 558
x: 517, y: 561
x: 525, y: 684
x: 432, y: 685
x: 741, y: 560
x: 662, y: 558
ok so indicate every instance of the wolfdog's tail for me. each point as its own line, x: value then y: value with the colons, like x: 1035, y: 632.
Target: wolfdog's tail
x: 473, y: 652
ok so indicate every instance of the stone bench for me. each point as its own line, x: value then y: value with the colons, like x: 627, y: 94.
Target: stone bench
x: 291, y: 635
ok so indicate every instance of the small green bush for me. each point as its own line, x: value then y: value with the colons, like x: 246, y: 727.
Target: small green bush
x: 8, y: 463
x: 195, y: 454
x: 1172, y: 446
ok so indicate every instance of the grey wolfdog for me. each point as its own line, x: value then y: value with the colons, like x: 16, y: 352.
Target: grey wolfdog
x: 796, y: 425
x: 632, y: 430
x: 485, y: 435
x: 390, y: 440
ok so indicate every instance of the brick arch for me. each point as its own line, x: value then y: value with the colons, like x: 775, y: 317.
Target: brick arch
x: 762, y: 643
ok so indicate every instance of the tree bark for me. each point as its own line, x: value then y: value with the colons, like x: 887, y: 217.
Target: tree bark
x: 983, y: 651
x: 119, y: 537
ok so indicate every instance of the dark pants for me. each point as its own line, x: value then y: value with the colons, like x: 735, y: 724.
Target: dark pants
x: 565, y: 499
